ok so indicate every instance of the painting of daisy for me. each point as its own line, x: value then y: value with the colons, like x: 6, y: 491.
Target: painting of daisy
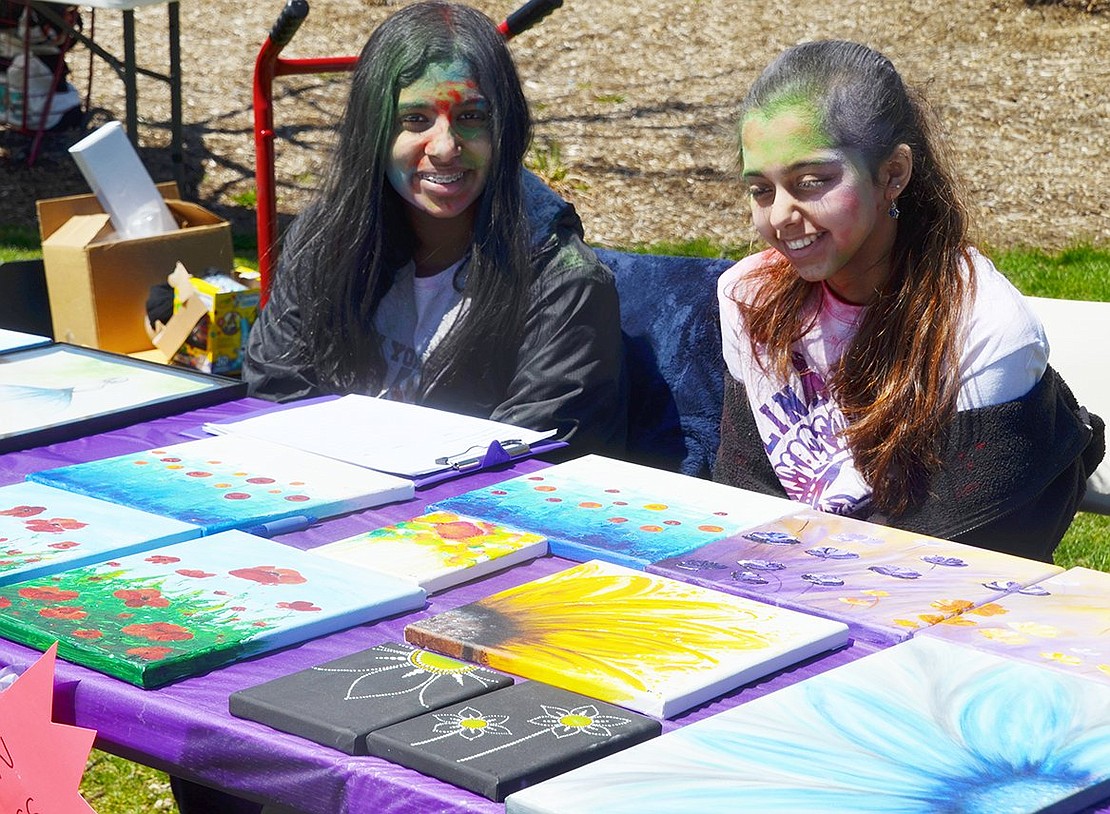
x: 183, y: 609
x: 1063, y: 622
x: 600, y: 508
x: 883, y: 582
x: 648, y: 643
x: 438, y: 549
x: 44, y: 530
x: 339, y: 703
x: 226, y: 482
x: 511, y: 738
x: 921, y: 727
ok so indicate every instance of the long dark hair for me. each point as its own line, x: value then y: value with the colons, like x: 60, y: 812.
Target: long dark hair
x: 354, y: 235
x: 897, y: 382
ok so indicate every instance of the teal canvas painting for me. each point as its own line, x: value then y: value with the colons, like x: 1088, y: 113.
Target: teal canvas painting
x: 921, y: 727
x: 225, y: 482
x: 601, y: 508
x: 187, y: 608
x: 43, y: 530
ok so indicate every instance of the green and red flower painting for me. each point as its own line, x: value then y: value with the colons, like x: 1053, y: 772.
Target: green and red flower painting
x: 159, y: 616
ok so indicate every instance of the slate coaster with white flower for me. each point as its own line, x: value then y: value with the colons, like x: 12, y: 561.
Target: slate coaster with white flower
x: 43, y: 530
x: 1063, y: 622
x: 339, y: 703
x: 184, y: 609
x: 883, y: 582
x: 438, y: 550
x: 922, y: 726
x: 508, y: 739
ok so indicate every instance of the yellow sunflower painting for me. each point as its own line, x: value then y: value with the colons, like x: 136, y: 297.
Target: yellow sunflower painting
x: 649, y: 643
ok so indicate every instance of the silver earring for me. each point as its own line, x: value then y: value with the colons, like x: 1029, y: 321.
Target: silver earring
x: 894, y: 211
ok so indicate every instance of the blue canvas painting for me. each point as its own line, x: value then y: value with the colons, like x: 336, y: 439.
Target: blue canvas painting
x: 600, y: 508
x: 226, y: 482
x: 44, y: 530
x: 924, y: 726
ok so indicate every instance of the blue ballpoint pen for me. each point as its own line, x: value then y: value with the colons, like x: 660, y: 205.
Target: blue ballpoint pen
x: 283, y: 525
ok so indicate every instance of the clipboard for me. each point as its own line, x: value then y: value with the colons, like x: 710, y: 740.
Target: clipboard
x: 498, y: 454
x: 405, y: 440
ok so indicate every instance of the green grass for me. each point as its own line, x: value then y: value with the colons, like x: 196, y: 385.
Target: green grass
x: 113, y: 785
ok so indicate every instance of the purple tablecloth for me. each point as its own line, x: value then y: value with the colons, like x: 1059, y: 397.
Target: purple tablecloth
x: 185, y: 728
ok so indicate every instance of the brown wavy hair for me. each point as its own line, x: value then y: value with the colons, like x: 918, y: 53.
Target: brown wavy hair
x: 897, y: 382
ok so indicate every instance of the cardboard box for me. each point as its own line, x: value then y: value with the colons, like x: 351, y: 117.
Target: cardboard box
x: 98, y: 286
x: 214, y: 317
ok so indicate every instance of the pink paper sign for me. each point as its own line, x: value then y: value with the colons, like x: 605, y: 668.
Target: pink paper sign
x: 41, y: 762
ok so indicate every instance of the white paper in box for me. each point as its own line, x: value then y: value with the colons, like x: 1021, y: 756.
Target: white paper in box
x: 121, y: 183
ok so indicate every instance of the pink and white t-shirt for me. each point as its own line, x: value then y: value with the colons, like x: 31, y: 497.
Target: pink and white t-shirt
x: 1004, y: 353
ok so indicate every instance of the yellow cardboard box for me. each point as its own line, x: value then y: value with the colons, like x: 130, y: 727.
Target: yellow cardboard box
x: 98, y: 286
x: 221, y: 313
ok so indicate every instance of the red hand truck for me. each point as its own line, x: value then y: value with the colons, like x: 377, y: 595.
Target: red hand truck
x: 270, y: 65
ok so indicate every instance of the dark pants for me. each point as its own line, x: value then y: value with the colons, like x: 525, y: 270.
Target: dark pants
x: 193, y: 798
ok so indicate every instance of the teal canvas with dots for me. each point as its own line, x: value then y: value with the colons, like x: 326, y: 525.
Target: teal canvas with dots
x: 226, y: 482
x: 601, y: 508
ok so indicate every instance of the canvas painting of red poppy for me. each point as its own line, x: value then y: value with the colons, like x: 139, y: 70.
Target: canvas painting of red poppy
x: 438, y: 549
x: 159, y: 616
x: 44, y: 530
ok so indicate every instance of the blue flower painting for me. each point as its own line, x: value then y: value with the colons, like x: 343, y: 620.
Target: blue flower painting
x: 923, y: 726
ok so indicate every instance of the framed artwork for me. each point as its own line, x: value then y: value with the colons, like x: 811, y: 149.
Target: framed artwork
x: 601, y: 508
x: 883, y: 582
x: 18, y: 340
x: 1063, y: 622
x: 224, y: 482
x: 906, y: 729
x: 645, y: 642
x: 437, y: 550
x: 59, y: 391
x: 184, y: 609
x: 44, y: 530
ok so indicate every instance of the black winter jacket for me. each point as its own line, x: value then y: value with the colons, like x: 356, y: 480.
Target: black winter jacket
x: 1012, y: 478
x: 566, y: 372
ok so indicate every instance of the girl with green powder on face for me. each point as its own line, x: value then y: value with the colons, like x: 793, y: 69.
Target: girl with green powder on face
x: 431, y: 268
x: 880, y: 367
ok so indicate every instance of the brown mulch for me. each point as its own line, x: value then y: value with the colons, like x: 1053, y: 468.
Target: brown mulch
x: 635, y: 105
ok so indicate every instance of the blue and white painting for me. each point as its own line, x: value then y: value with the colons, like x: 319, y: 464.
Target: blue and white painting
x: 226, y: 482
x: 922, y: 727
x: 44, y: 530
x: 600, y: 508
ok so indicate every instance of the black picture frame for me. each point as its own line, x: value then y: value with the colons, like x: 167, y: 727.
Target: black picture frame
x: 33, y: 415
